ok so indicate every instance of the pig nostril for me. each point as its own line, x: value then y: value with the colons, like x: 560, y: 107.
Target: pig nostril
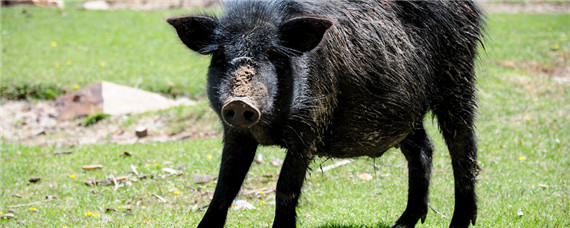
x: 229, y: 114
x: 249, y: 116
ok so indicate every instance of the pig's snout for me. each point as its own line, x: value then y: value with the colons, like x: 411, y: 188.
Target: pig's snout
x: 240, y: 113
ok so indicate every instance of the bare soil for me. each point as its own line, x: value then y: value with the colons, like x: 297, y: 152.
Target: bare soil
x: 35, y: 123
x: 526, y: 7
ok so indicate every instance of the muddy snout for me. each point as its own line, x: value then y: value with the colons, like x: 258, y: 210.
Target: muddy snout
x: 240, y: 113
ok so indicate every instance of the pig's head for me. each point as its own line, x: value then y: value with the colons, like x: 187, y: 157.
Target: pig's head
x: 250, y: 74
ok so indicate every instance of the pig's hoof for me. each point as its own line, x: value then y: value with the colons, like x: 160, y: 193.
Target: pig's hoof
x: 410, y: 218
x: 463, y: 220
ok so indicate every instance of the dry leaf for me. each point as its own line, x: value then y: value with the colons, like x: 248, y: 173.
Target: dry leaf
x: 34, y: 179
x: 48, y: 197
x: 63, y: 152
x: 241, y: 204
x: 365, y: 176
x: 172, y: 171
x: 7, y: 216
x: 92, y: 167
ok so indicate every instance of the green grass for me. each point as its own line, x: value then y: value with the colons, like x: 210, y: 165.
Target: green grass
x: 522, y: 127
x: 63, y: 49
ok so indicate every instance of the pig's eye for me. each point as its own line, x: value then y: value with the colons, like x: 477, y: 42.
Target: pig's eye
x: 219, y: 57
x: 271, y: 53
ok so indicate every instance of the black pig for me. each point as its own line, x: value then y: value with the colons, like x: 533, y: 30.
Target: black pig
x: 341, y: 78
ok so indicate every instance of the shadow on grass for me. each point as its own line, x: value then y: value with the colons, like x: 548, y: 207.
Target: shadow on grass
x: 337, y: 225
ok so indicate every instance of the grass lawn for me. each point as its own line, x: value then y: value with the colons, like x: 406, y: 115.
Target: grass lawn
x: 523, y: 130
x: 46, y: 51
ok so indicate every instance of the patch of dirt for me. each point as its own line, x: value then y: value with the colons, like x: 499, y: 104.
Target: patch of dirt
x: 28, y: 123
x: 558, y: 70
x: 526, y: 7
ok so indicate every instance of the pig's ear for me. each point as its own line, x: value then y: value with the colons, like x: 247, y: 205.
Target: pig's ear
x: 303, y: 33
x: 196, y: 32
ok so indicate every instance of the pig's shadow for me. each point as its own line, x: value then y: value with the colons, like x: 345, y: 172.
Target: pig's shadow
x: 341, y: 225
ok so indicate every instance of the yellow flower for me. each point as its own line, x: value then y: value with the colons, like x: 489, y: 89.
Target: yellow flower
x: 156, y: 164
x: 120, y: 207
x: 96, y: 215
x: 263, y: 203
x: 102, y: 63
x: 522, y: 158
x: 64, y: 227
x: 1, y: 213
x: 89, y: 213
x: 261, y: 192
x: 68, y: 62
x: 176, y: 192
x: 72, y: 176
x: 54, y: 44
x: 76, y: 86
x: 209, y: 156
x: 33, y: 209
x: 556, y: 46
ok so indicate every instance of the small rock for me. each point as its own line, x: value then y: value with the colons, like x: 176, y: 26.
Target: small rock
x: 141, y: 132
x: 276, y: 162
x: 34, y: 179
x: 203, y: 178
x: 41, y: 131
x: 259, y: 159
x: 95, y: 5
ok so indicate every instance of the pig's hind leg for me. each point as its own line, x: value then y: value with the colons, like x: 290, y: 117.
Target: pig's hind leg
x: 417, y: 148
x: 456, y: 117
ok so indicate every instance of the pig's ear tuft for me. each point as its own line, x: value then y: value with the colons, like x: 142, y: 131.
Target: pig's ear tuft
x: 304, y: 33
x: 196, y: 32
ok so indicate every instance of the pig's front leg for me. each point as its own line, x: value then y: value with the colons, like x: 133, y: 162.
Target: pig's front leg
x: 237, y: 156
x: 289, y: 187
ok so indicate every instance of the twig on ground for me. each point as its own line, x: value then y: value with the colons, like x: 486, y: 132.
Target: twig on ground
x: 29, y: 204
x: 160, y: 198
x: 437, y: 212
x: 389, y: 165
x: 329, y: 167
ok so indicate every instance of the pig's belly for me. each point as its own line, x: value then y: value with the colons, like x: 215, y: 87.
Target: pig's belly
x: 345, y: 144
x: 367, y: 131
